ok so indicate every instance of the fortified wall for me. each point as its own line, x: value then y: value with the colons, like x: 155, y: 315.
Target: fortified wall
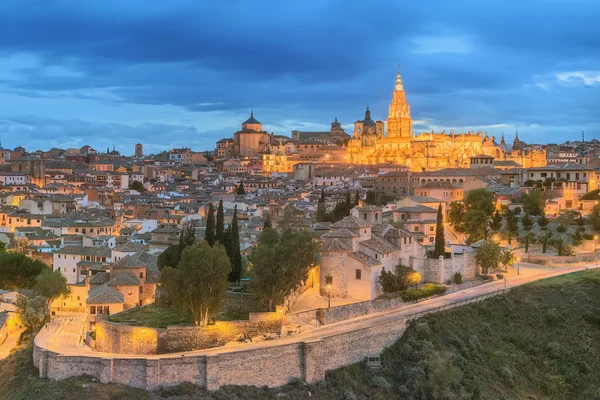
x: 271, y: 365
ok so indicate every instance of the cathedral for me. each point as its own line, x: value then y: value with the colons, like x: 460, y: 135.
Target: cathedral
x: 428, y: 151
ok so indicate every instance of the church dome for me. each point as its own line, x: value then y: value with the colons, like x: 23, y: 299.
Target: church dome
x: 251, y: 120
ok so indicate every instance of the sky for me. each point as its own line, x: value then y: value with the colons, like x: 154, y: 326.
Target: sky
x: 187, y: 73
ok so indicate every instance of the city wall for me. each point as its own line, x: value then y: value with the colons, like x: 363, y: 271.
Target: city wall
x: 126, y: 339
x: 273, y: 365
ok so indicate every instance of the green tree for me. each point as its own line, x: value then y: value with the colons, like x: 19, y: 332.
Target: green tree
x: 488, y: 256
x: 533, y: 202
x: 440, y: 241
x: 137, y: 186
x: 594, y: 218
x: 507, y: 257
x: 349, y: 203
x: 321, y: 214
x: 240, y: 189
x: 400, y: 279
x: 544, y: 239
x: 371, y: 197
x: 526, y: 239
x: 475, y: 224
x: 51, y: 285
x: 169, y: 258
x: 280, y: 263
x: 17, y: 271
x: 496, y: 221
x: 456, y: 216
x: 356, y: 199
x: 527, y: 222
x: 220, y: 224
x: 199, y: 283
x: 33, y: 311
x: 236, y: 254
x: 480, y: 199
x: 322, y: 198
x: 209, y: 235
x: 267, y: 223
x: 340, y: 211
x: 512, y: 226
x: 543, y: 222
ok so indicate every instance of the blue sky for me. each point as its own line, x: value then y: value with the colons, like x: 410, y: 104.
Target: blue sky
x: 187, y: 73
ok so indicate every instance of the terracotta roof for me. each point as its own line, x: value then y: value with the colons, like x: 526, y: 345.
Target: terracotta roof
x: 341, y: 233
x: 123, y: 279
x: 336, y: 245
x: 104, y: 295
x: 379, y: 245
x: 100, y: 251
x: 365, y: 259
x: 99, y: 279
x: 417, y: 209
x: 131, y: 247
x: 351, y: 223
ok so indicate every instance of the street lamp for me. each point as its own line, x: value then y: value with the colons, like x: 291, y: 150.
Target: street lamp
x: 595, y: 242
x: 328, y: 296
x: 518, y: 265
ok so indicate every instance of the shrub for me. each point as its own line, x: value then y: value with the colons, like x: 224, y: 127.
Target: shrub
x: 458, y: 278
x: 561, y: 228
x: 588, y: 236
x: 427, y: 290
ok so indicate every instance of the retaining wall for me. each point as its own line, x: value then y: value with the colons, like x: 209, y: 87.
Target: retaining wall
x: 272, y: 366
x: 118, y: 338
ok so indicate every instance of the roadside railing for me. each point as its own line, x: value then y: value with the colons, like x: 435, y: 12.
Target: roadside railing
x: 457, y: 303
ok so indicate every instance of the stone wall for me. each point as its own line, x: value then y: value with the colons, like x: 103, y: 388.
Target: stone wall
x: 273, y: 364
x: 125, y: 339
x: 270, y: 366
x: 443, y: 269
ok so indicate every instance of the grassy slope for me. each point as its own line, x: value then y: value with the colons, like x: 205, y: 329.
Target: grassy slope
x: 540, y: 341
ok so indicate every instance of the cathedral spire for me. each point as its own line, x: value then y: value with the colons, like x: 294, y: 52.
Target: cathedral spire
x: 399, y: 86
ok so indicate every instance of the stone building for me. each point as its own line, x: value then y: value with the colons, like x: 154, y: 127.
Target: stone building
x: 356, y: 250
x: 251, y: 140
x: 428, y: 151
x: 335, y: 135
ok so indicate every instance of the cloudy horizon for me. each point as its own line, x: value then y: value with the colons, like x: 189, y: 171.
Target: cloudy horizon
x: 187, y: 74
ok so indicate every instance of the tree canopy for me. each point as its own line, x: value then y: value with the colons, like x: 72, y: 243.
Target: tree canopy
x: 51, y: 285
x: 400, y: 279
x: 488, y: 256
x: 440, y: 241
x: 220, y: 223
x: 137, y: 186
x: 280, y: 263
x: 17, y: 271
x: 209, y: 234
x: 533, y: 202
x: 199, y: 283
x: 480, y: 199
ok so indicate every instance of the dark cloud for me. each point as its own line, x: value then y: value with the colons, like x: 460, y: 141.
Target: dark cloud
x: 464, y: 63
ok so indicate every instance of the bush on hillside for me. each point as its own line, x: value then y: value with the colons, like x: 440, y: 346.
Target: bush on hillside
x: 458, y: 278
x: 561, y: 228
x: 427, y: 290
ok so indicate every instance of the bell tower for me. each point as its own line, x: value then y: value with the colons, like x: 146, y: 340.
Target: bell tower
x: 399, y: 120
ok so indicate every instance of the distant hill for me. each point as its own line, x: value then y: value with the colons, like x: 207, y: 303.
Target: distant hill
x: 540, y: 341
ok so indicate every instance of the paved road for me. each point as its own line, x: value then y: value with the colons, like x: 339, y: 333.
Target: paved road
x: 9, y: 343
x: 62, y: 336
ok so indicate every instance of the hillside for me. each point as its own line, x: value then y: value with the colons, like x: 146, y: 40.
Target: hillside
x: 540, y: 341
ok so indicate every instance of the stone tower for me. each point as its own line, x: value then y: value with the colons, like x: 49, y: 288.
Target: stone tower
x: 399, y: 120
x: 139, y: 150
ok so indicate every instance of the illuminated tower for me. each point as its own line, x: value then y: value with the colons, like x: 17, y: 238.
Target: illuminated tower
x: 399, y: 121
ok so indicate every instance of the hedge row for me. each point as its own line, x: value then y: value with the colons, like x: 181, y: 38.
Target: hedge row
x: 427, y: 290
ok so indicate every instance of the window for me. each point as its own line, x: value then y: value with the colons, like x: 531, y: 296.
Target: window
x: 92, y: 310
x: 78, y: 297
x: 329, y: 280
x: 141, y: 289
x: 358, y: 274
x: 376, y: 216
x: 430, y: 239
x: 107, y: 310
x: 431, y: 228
x: 416, y: 229
x: 365, y: 216
x: 376, y: 256
x: 141, y: 275
x: 73, y: 269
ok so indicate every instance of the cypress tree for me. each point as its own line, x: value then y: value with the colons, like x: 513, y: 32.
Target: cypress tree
x: 439, y: 235
x: 322, y: 199
x: 267, y: 223
x: 348, y: 202
x: 209, y: 236
x: 236, y: 261
x: 356, y: 199
x: 240, y: 189
x: 220, y: 228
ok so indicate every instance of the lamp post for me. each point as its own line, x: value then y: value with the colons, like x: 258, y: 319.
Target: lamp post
x: 595, y: 243
x: 328, y: 296
x: 518, y: 265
